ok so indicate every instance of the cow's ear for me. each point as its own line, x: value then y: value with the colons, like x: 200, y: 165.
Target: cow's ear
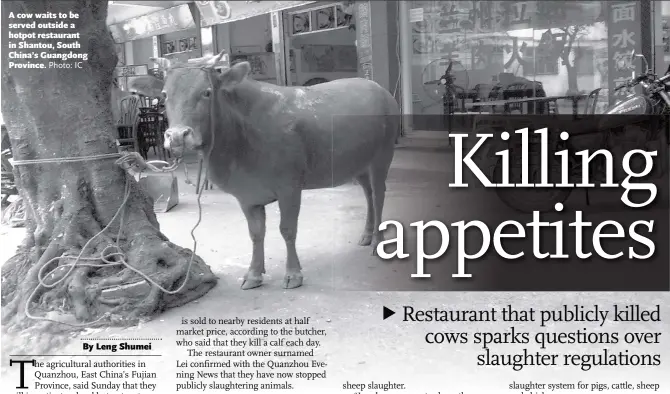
x: 215, y: 60
x: 235, y: 75
x: 163, y: 63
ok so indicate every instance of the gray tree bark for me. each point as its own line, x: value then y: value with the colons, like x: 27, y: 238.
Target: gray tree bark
x: 60, y: 112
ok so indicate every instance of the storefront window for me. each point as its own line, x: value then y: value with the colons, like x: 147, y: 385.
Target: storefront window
x: 181, y: 45
x: 535, y: 48
x: 665, y: 31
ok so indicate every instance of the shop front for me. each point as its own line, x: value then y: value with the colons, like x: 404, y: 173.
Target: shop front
x: 534, y: 48
x: 302, y: 42
x: 161, y: 33
x: 184, y: 44
x: 250, y: 31
x: 334, y: 40
x: 661, y: 35
x: 321, y: 42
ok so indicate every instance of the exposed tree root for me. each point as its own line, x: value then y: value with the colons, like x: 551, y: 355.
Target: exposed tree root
x: 14, y: 214
x: 108, y: 283
x: 84, y: 261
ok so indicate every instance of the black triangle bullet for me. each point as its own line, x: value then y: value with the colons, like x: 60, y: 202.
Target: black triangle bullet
x: 388, y: 313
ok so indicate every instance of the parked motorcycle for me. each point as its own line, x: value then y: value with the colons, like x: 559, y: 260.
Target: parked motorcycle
x: 653, y: 99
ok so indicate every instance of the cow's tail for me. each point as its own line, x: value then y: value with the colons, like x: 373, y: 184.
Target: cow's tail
x: 393, y: 117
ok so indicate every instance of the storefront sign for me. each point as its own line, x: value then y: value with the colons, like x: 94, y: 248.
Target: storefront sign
x: 277, y: 47
x: 364, y: 40
x: 558, y: 14
x: 154, y: 24
x: 665, y: 34
x: 131, y: 71
x: 623, y: 36
x: 215, y: 12
x: 416, y: 15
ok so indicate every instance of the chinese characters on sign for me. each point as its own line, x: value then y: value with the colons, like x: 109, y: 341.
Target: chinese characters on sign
x: 216, y: 12
x: 123, y: 73
x: 364, y: 40
x: 160, y: 22
x: 131, y: 71
x: 623, y: 36
x: 446, y: 27
x: 213, y: 12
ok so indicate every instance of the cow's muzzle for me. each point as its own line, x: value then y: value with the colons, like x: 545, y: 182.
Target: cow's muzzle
x: 177, y: 139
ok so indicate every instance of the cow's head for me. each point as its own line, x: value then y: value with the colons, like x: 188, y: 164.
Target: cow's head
x: 188, y: 94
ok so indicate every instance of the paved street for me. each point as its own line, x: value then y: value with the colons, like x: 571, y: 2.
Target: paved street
x: 359, y: 345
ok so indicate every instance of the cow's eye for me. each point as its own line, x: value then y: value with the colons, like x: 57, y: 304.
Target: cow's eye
x: 164, y: 94
x: 207, y: 93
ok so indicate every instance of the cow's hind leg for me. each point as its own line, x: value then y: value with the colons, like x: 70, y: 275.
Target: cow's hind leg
x: 289, y: 208
x: 366, y: 236
x: 255, y: 215
x: 378, y: 173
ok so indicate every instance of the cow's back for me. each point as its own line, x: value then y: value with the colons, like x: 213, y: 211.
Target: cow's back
x: 354, y: 96
x: 347, y: 123
x: 329, y: 133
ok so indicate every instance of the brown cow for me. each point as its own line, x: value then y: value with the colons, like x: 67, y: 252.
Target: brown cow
x: 268, y: 143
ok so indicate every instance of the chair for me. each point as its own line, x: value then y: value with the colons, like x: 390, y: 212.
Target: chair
x: 127, y: 125
x: 150, y: 128
x: 480, y: 93
x: 592, y: 102
x: 515, y: 91
x: 149, y: 102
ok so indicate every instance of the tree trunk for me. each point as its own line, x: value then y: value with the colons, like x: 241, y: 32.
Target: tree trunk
x: 57, y: 113
x: 570, y: 68
x: 572, y: 78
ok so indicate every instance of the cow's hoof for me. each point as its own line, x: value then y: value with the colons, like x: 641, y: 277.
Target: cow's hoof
x: 251, y: 282
x: 376, y: 240
x: 291, y: 281
x: 366, y: 239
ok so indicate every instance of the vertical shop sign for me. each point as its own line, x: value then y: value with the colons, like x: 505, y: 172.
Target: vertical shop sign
x: 364, y: 40
x: 623, y: 36
x: 277, y: 46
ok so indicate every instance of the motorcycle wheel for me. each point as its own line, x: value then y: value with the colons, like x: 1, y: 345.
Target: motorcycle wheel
x: 528, y: 200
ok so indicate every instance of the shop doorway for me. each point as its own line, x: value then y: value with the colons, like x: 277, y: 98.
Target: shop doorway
x: 250, y: 40
x: 319, y: 43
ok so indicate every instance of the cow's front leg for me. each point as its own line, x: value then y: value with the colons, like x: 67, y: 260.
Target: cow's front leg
x: 289, y: 207
x: 255, y: 215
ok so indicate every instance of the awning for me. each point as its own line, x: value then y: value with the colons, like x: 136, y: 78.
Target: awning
x: 217, y: 12
x: 153, y: 24
x: 133, y: 20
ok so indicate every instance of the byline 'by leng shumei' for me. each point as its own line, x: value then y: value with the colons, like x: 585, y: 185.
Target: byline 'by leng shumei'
x: 114, y: 347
